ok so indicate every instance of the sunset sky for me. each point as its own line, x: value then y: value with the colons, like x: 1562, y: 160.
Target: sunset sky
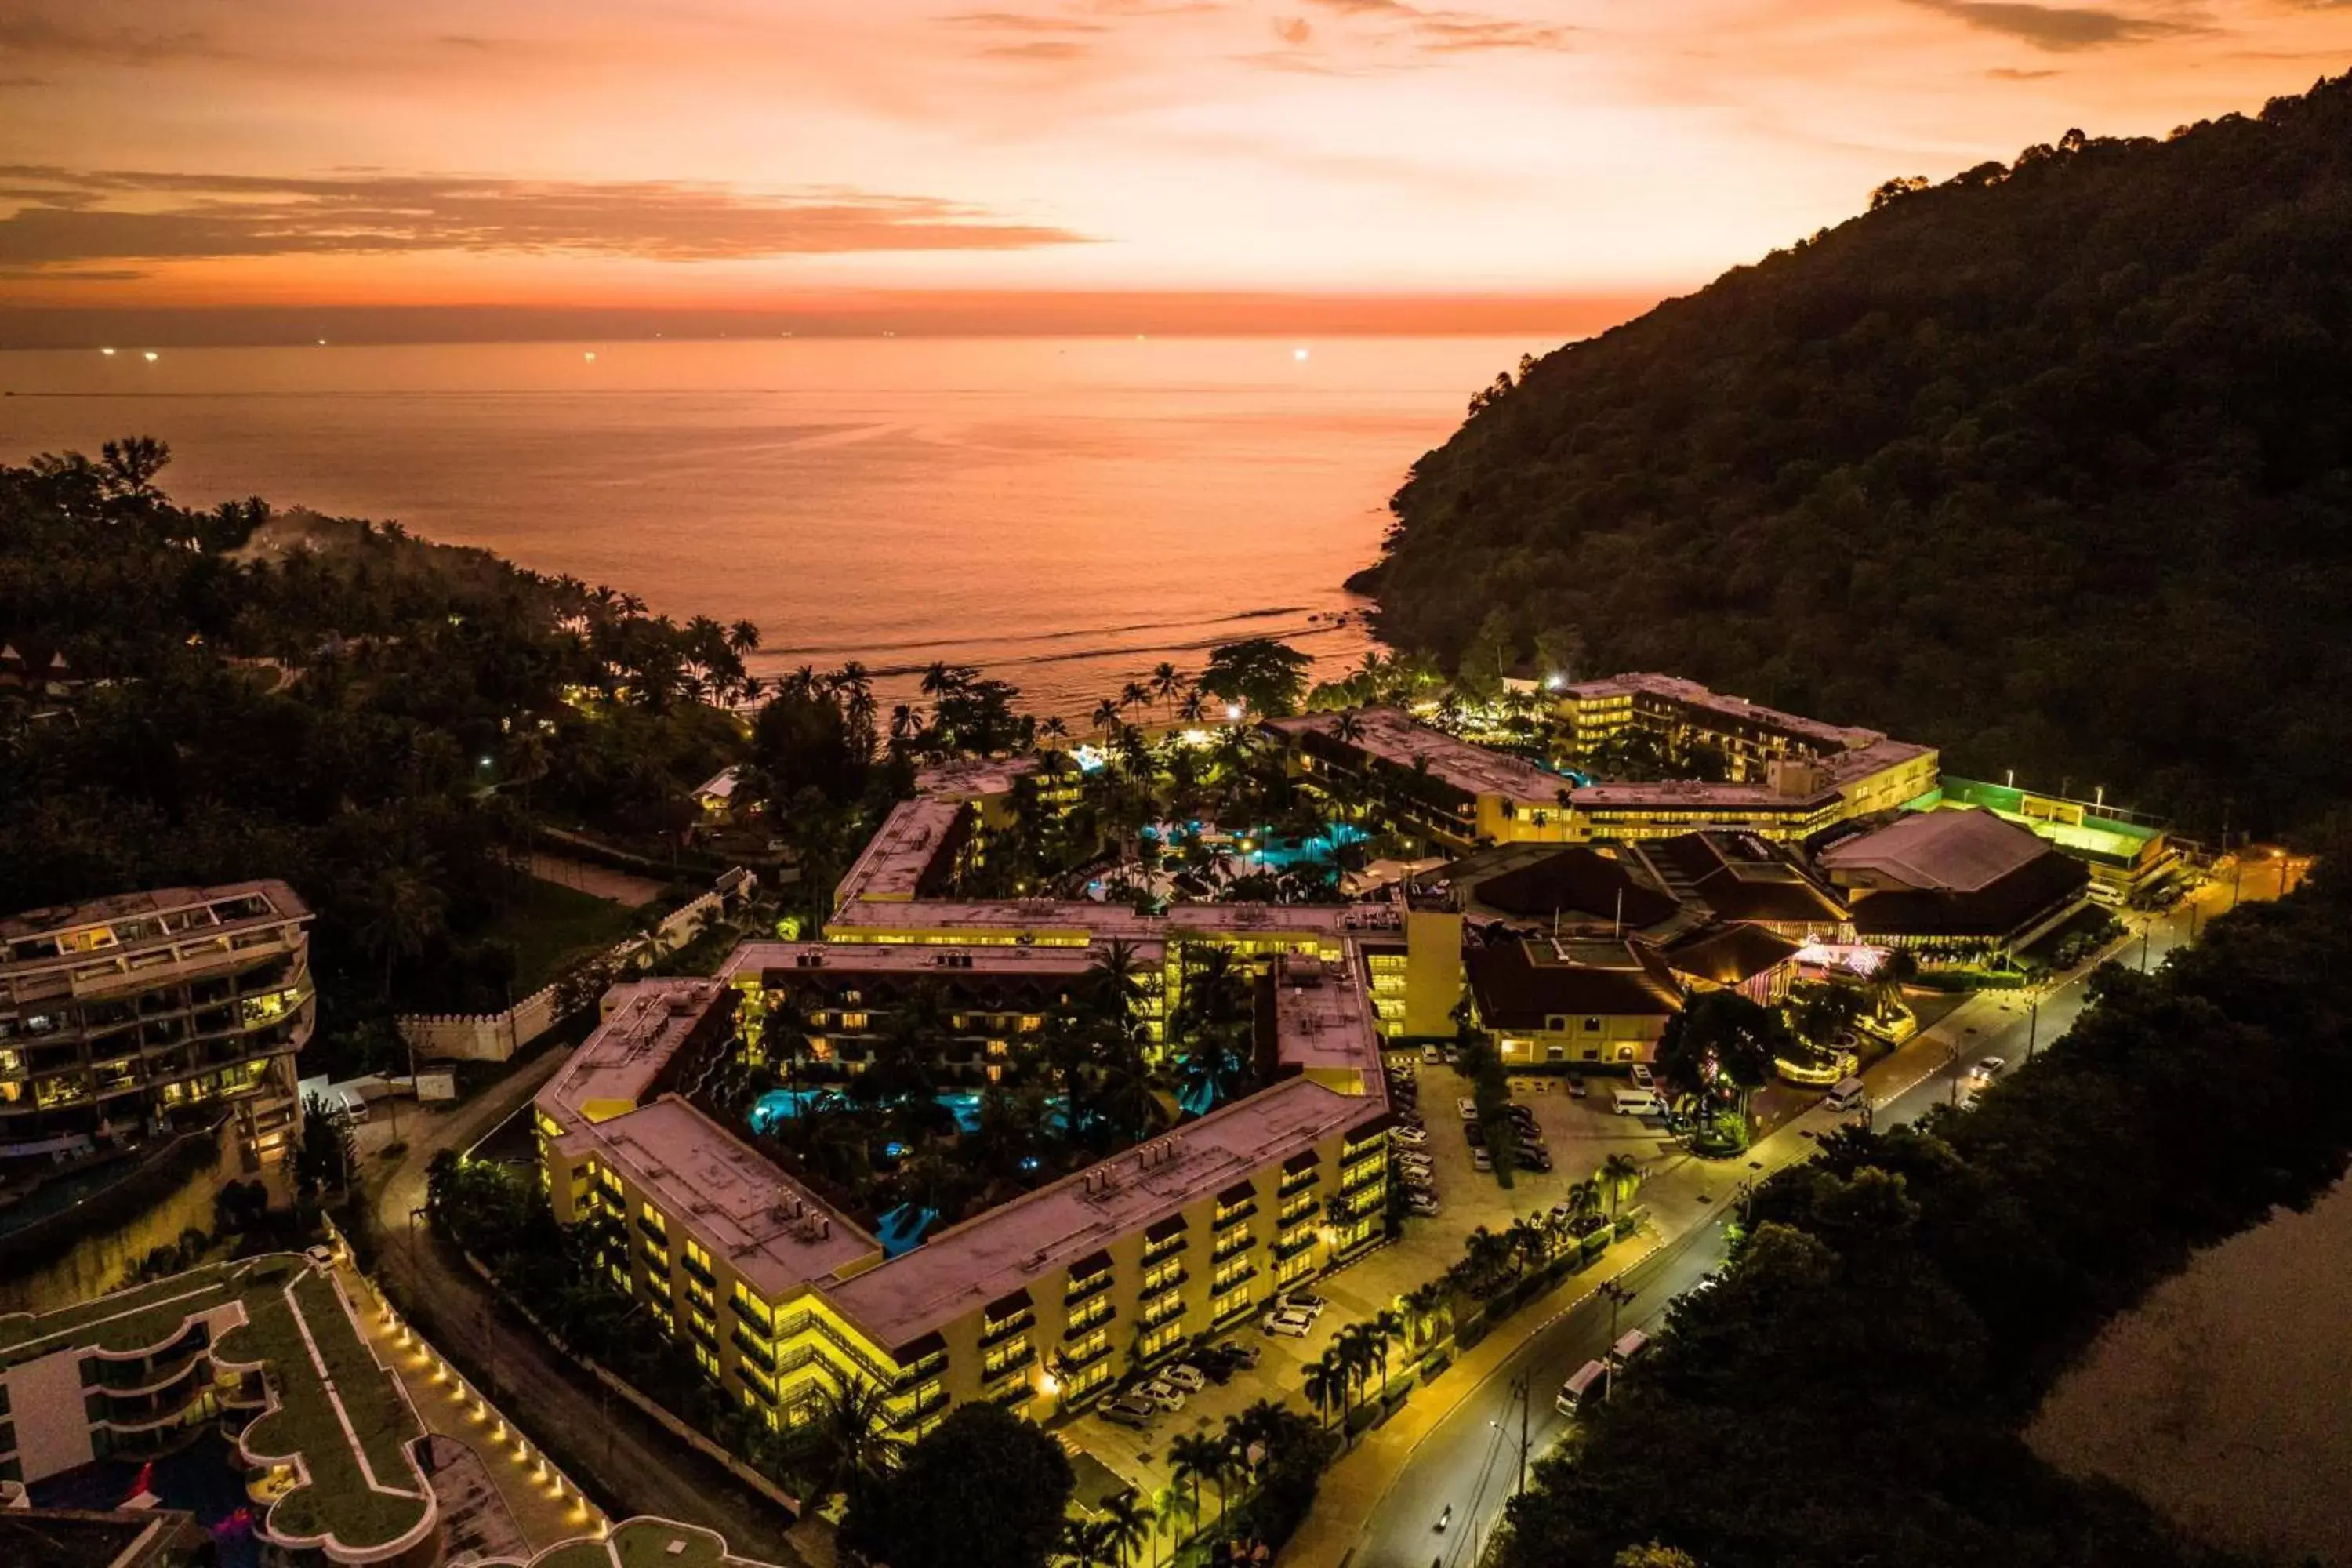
x: 743, y: 154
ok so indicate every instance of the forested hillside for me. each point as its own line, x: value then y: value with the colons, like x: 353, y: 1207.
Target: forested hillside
x: 2051, y: 464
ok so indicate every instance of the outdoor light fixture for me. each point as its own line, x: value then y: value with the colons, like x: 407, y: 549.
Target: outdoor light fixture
x: 1232, y: 710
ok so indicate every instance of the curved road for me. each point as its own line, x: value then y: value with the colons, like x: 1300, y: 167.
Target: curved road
x: 1470, y: 1461
x: 628, y: 1463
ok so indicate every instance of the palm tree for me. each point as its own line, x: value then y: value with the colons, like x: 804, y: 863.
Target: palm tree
x: 1134, y: 694
x: 1124, y: 1525
x: 1896, y: 970
x: 407, y: 914
x: 1053, y: 728
x: 1195, y: 1456
x: 1106, y: 716
x: 1083, y: 1543
x: 853, y: 1437
x: 1387, y: 1329
x: 1169, y: 683
x: 1620, y: 1177
x: 1326, y: 1382
x: 1193, y: 707
x: 1348, y: 728
x: 743, y: 637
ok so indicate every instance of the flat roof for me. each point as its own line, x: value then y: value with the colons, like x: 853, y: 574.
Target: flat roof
x: 997, y: 1253
x: 902, y: 850
x: 1398, y: 738
x: 282, y: 903
x: 625, y: 1054
x: 1837, y: 769
x: 1693, y: 694
x: 775, y: 1233
x: 915, y: 958
x: 1084, y: 920
x: 1323, y: 1022
x: 976, y: 778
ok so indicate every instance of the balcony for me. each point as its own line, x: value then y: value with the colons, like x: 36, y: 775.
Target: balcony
x: 1229, y: 1278
x: 1290, y: 1247
x: 1293, y: 1212
x: 1086, y: 1289
x: 656, y: 1264
x: 1162, y: 1309
x: 1080, y: 1324
x: 752, y: 1350
x: 1356, y: 1178
x: 1233, y: 1245
x: 657, y: 1234
x: 1084, y: 1359
x: 1227, y: 1218
x: 1004, y: 1329
x: 698, y: 1270
x: 1009, y: 1366
x: 925, y: 1404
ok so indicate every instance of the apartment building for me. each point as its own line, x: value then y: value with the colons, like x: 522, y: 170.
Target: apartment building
x: 267, y: 1350
x: 1037, y: 1304
x: 150, y: 1012
x: 1459, y: 793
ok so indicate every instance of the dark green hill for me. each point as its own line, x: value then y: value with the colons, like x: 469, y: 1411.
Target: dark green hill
x: 2051, y: 464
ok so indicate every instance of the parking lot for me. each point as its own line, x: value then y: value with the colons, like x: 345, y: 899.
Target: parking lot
x: 1580, y: 1135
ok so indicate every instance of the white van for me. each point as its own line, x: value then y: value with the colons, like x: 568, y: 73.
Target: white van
x: 1846, y: 1096
x: 1630, y: 1343
x: 1637, y: 1102
x: 1590, y: 1379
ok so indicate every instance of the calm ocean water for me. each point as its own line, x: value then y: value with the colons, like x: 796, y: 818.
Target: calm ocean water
x: 1063, y: 512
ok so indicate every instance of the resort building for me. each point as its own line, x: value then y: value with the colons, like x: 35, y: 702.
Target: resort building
x: 1038, y: 1303
x: 1747, y: 879
x: 266, y: 1352
x: 146, y: 1014
x: 1788, y: 777
x: 1576, y: 1000
x: 2131, y: 858
x: 1459, y: 793
x: 1959, y: 881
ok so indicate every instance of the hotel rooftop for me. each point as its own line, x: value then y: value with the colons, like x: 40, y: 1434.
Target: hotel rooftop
x: 782, y: 1238
x: 1396, y: 738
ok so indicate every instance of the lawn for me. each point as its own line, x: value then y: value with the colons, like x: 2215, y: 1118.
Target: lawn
x: 553, y: 927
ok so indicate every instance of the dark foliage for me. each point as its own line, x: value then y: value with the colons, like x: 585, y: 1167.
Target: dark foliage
x: 2051, y: 464
x: 983, y: 1490
x: 370, y: 717
x: 1853, y: 1390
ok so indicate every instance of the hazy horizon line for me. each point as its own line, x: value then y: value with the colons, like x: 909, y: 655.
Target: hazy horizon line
x: 958, y: 314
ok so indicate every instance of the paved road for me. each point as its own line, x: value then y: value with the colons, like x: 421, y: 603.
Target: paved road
x: 1470, y: 1461
x: 629, y: 1465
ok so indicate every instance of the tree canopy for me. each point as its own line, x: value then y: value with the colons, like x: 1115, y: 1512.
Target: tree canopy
x: 1853, y: 1390
x: 981, y: 1489
x: 2050, y: 464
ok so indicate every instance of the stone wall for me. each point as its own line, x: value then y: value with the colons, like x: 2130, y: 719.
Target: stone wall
x: 97, y: 1260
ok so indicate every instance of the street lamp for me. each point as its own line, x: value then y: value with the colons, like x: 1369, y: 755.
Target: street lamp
x: 1617, y: 1293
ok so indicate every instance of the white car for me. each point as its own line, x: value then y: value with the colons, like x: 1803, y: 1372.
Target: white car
x: 1481, y: 1160
x: 1467, y: 1107
x: 1429, y: 1057
x: 1288, y: 1323
x: 1186, y: 1376
x: 1423, y: 1205
x: 1411, y: 1137
x: 1642, y: 1077
x: 1300, y: 1302
x: 1985, y: 1068
x: 1163, y: 1393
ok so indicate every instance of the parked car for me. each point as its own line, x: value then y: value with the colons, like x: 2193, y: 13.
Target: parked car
x: 1423, y: 1205
x: 1481, y: 1160
x: 1466, y: 1107
x: 1576, y: 1089
x: 1186, y: 1376
x: 1535, y: 1159
x: 1411, y: 1137
x: 1429, y: 1057
x: 1305, y: 1301
x: 1290, y: 1323
x: 1163, y: 1393
x: 1242, y: 1356
x: 1642, y: 1077
x: 1126, y: 1410
x: 1451, y: 1056
x: 1412, y: 1160
x: 1475, y: 1136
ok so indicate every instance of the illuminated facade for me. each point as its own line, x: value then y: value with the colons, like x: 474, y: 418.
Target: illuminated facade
x: 156, y: 1012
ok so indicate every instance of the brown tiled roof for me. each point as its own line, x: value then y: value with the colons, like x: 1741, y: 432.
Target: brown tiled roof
x: 2000, y: 909
x: 1517, y: 989
x: 1742, y: 877
x: 1580, y: 883
x: 1730, y: 954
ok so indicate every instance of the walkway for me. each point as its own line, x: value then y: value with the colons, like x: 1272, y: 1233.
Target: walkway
x: 596, y: 881
x: 623, y: 1460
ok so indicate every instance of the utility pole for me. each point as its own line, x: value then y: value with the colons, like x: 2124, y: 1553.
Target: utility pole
x: 2144, y: 933
x: 1617, y: 1294
x: 2033, y: 1019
